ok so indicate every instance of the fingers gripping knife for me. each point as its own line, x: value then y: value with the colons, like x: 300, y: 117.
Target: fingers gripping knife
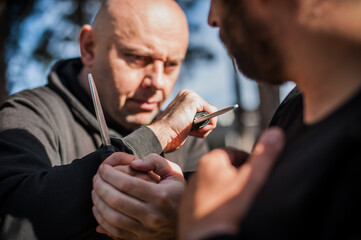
x: 203, y: 118
x: 104, y: 133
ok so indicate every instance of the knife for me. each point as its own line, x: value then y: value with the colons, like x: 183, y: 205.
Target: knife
x: 104, y: 132
x: 203, y: 118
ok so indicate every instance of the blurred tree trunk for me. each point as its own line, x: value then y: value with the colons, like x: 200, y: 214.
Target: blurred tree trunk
x: 12, y: 15
x: 4, y: 32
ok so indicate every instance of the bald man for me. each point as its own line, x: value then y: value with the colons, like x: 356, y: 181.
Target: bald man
x: 49, y: 136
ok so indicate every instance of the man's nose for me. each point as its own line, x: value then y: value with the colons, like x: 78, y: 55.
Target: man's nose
x: 154, y: 76
x: 212, y: 16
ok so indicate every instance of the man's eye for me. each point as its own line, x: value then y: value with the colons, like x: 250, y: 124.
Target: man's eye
x: 137, y: 59
x: 170, y: 66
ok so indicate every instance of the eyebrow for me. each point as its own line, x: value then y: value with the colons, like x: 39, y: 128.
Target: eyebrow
x: 144, y: 51
x: 133, y: 48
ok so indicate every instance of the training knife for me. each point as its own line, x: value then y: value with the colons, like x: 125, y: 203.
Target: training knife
x: 203, y: 118
x: 104, y: 132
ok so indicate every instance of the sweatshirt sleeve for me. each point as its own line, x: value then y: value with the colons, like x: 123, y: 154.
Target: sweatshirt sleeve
x: 142, y: 142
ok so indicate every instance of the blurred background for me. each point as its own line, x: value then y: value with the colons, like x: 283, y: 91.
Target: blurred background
x: 36, y: 33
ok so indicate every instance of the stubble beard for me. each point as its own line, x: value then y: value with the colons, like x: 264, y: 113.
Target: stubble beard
x: 251, y: 44
x: 132, y: 121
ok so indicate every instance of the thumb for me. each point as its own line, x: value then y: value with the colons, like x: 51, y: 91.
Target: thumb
x: 119, y: 158
x: 159, y: 165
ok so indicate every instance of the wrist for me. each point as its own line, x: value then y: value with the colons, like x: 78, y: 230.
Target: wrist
x: 168, y: 137
x: 159, y: 130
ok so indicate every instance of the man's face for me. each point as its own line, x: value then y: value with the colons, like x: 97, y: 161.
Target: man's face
x: 248, y: 40
x: 136, y: 68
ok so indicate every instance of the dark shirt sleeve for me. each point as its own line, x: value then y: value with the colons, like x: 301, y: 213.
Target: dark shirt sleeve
x: 40, y: 201
x: 41, y: 197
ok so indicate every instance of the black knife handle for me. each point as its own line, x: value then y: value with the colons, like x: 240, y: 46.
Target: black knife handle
x: 201, y: 124
x: 107, y: 151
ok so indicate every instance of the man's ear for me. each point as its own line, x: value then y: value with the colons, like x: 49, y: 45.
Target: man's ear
x: 87, y: 43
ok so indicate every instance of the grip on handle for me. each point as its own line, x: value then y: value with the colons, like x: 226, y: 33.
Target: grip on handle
x: 107, y: 151
x: 201, y: 124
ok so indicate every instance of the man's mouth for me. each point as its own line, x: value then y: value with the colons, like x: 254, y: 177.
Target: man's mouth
x: 146, y: 105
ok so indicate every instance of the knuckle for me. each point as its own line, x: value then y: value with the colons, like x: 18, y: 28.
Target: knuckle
x: 116, y: 203
x: 160, y: 217
x: 102, y: 192
x: 156, y: 221
x: 188, y: 94
x: 125, y: 186
x: 163, y: 199
x: 115, y: 219
x: 95, y: 181
x: 100, y: 221
x: 185, y: 92
x: 203, y: 162
x: 105, y: 173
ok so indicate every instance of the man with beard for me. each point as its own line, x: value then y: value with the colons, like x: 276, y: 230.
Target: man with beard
x: 303, y: 184
x: 312, y: 191
x: 49, y: 136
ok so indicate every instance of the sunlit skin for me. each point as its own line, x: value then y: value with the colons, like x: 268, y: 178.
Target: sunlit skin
x: 235, y: 179
x: 153, y: 215
x: 263, y: 44
x: 318, y: 47
x: 250, y: 43
x: 134, y: 51
x: 220, y: 194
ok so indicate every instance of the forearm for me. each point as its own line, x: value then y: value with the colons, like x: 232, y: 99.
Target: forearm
x: 54, y: 200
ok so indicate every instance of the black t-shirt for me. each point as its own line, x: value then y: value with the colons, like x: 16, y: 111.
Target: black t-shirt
x: 313, y: 191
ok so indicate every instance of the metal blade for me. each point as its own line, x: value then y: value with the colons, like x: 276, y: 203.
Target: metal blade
x: 104, y: 133
x: 215, y: 114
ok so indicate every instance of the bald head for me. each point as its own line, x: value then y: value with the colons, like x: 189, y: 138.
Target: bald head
x: 124, y: 18
x: 134, y: 50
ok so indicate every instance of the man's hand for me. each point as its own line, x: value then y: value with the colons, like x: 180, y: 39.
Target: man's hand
x: 219, y: 195
x: 174, y: 124
x: 121, y: 161
x: 128, y: 207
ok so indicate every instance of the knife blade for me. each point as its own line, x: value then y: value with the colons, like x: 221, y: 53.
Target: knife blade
x: 104, y: 132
